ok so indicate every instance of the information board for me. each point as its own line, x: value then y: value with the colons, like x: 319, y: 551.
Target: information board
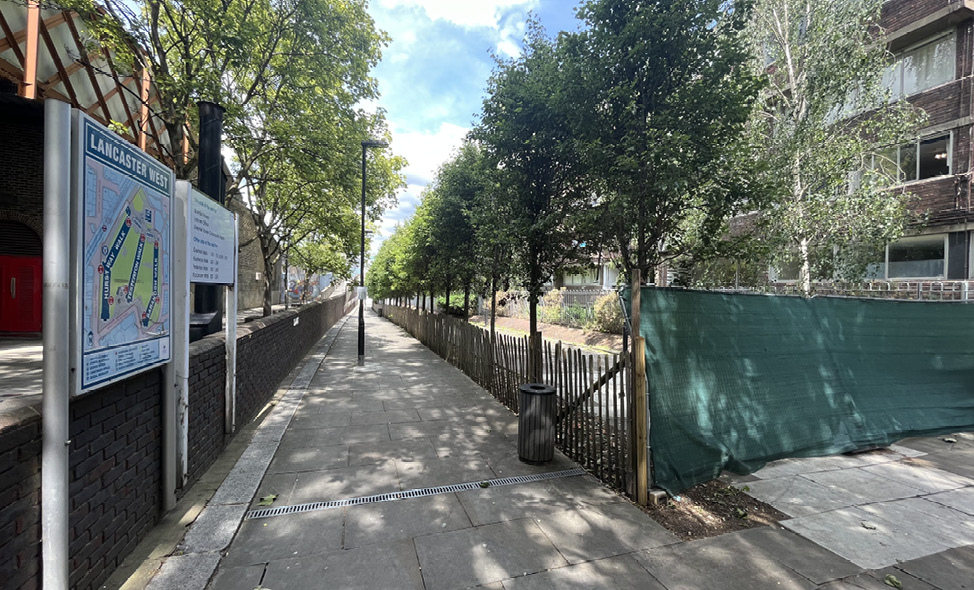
x: 212, y: 248
x: 123, y: 246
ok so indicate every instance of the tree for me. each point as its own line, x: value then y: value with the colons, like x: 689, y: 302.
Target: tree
x: 665, y: 97
x: 527, y: 138
x: 459, y: 186
x: 827, y: 125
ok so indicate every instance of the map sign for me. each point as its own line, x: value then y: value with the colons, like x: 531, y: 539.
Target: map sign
x: 125, y: 234
x: 212, y: 244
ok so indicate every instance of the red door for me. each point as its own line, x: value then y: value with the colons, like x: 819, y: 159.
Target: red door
x: 20, y: 294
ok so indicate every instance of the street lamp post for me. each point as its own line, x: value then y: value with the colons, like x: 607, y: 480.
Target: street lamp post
x: 368, y: 143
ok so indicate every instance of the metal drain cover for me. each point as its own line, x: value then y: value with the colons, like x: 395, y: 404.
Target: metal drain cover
x: 407, y: 494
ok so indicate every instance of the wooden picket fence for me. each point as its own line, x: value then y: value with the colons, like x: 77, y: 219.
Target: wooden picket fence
x: 594, y: 421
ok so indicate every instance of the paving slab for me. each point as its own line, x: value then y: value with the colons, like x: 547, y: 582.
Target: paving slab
x: 384, y: 417
x: 426, y: 429
x: 718, y: 563
x: 797, y: 496
x: 237, y: 578
x: 880, y: 543
x: 372, y: 453
x: 865, y: 487
x: 333, y: 403
x: 185, y: 572
x: 404, y: 519
x: 959, y: 462
x: 927, y: 479
x: 876, y: 581
x: 796, y: 553
x: 928, y: 519
x: 214, y: 528
x: 949, y: 570
x: 619, y: 573
x: 441, y: 471
x: 349, y: 482
x: 485, y: 554
x: 373, y: 567
x: 318, y: 421
x: 603, y: 531
x: 961, y: 500
x: 262, y: 540
x: 320, y: 458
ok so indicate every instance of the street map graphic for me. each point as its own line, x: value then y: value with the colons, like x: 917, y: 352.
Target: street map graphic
x: 126, y: 237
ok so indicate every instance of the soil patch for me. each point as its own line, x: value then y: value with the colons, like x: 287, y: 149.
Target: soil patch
x: 599, y: 341
x: 711, y: 509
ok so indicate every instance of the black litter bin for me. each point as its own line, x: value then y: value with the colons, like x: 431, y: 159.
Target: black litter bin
x: 536, y: 423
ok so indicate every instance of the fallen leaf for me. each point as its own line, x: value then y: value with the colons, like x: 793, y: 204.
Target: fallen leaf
x: 869, y: 526
x: 949, y: 440
x: 891, y: 580
x: 485, y: 484
x: 267, y: 500
x: 741, y: 513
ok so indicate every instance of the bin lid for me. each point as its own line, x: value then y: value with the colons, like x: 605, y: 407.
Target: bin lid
x: 537, y: 388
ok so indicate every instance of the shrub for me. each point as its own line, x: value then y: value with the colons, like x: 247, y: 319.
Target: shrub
x: 550, y: 307
x: 607, y: 316
x: 456, y: 305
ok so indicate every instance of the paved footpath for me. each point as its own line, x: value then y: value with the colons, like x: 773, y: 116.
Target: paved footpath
x: 409, y: 421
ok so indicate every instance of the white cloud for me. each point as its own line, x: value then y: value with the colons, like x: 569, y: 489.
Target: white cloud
x: 464, y: 13
x: 426, y: 150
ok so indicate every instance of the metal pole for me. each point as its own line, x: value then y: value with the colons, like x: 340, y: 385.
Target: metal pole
x: 361, y: 274
x: 57, y: 274
x: 179, y: 364
x: 231, y: 339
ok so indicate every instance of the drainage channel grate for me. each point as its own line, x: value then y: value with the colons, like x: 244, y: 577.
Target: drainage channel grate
x: 406, y: 494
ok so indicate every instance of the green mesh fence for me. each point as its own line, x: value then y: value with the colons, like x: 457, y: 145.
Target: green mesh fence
x: 739, y: 380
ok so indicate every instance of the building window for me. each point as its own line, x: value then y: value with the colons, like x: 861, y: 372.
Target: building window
x: 920, y: 160
x: 921, y: 257
x: 588, y: 277
x: 922, y: 67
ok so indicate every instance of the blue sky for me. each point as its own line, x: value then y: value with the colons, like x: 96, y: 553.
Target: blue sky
x: 434, y: 72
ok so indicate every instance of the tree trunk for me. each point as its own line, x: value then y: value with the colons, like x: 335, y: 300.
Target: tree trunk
x: 493, y: 308
x: 466, y: 301
x: 805, y: 274
x: 533, y: 313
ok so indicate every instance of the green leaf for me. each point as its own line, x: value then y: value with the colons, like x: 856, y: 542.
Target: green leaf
x: 267, y: 500
x: 891, y: 580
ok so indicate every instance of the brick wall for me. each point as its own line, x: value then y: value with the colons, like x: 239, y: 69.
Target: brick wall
x: 115, y: 474
x: 22, y: 180
x: 20, y: 499
x: 207, y: 367
x: 897, y: 14
x: 116, y: 447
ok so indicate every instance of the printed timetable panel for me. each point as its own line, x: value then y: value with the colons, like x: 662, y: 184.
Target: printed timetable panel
x: 124, y: 236
x: 212, y: 246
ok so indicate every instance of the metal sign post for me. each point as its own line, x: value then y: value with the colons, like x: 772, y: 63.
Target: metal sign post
x: 57, y: 337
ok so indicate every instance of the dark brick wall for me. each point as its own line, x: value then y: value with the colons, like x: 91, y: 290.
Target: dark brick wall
x: 897, y: 14
x: 22, y: 180
x: 20, y: 499
x: 115, y: 474
x: 207, y: 367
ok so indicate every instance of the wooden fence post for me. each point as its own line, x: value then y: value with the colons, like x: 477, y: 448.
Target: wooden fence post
x: 640, y: 420
x: 640, y: 447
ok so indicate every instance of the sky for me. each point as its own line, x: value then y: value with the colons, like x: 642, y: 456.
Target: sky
x: 433, y: 75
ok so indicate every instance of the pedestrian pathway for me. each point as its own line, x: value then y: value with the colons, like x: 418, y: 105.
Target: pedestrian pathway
x: 409, y: 421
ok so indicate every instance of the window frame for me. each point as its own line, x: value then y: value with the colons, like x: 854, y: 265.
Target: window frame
x: 896, y: 91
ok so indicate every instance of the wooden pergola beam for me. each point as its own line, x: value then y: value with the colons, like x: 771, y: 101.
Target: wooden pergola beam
x: 29, y: 85
x: 62, y: 75
x: 95, y: 86
x: 12, y: 40
x: 8, y: 40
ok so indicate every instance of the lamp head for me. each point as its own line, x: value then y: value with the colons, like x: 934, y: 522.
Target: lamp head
x: 375, y: 143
